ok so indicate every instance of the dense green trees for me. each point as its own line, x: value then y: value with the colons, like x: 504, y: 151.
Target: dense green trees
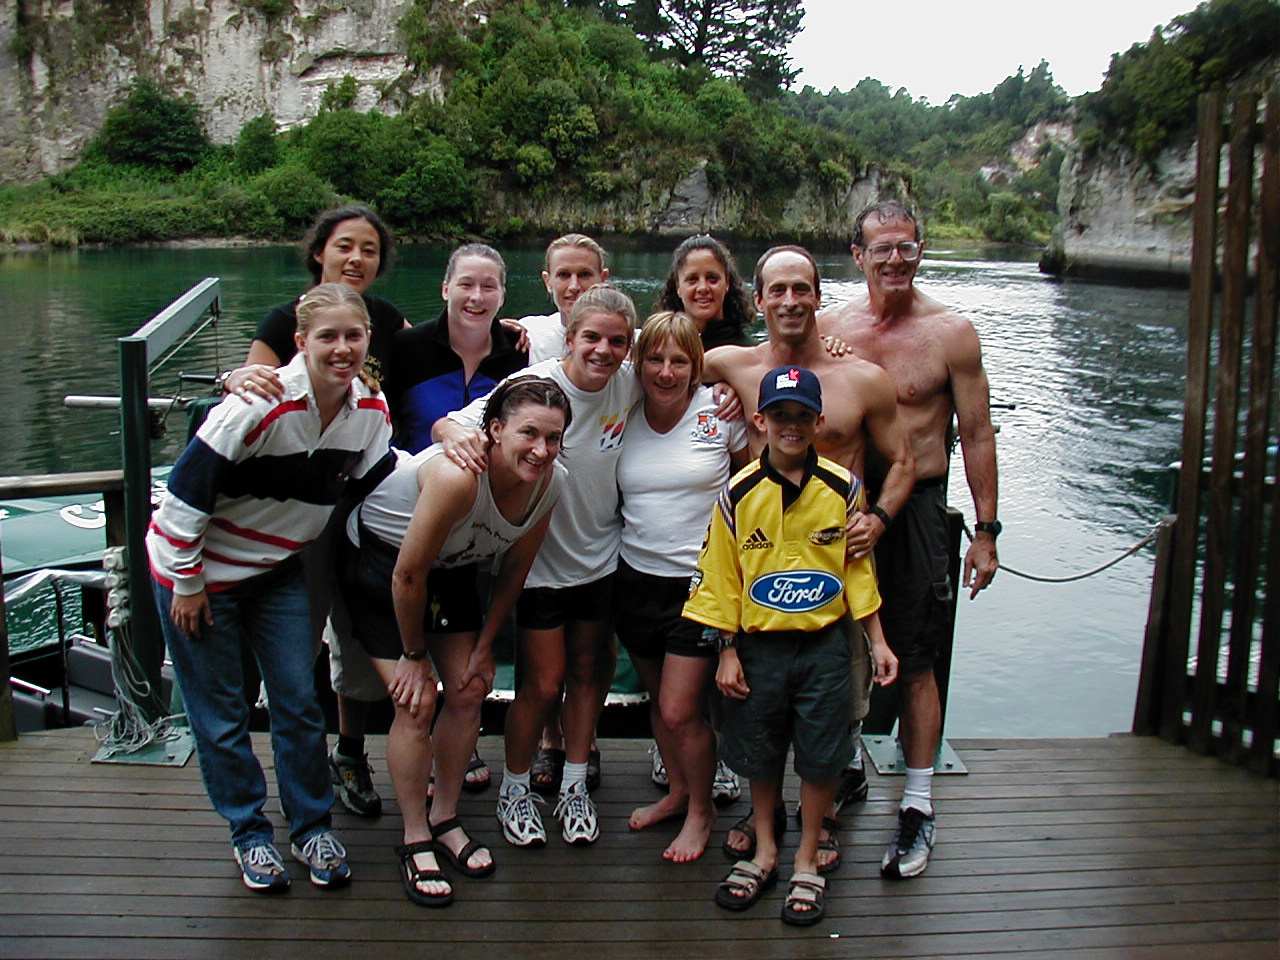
x: 744, y: 39
x: 607, y: 100
x: 1150, y: 90
x: 942, y: 148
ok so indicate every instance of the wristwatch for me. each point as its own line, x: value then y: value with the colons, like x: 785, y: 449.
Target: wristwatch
x: 993, y: 527
x: 415, y: 655
x: 879, y: 511
x: 727, y: 643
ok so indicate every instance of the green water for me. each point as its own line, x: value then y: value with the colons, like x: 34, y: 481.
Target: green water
x: 1095, y: 371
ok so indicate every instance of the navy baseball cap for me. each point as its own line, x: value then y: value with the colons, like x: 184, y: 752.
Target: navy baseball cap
x: 791, y: 383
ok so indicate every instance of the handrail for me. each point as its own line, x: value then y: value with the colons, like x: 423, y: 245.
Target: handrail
x: 21, y: 487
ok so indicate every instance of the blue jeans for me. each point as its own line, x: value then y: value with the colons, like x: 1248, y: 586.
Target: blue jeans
x: 273, y: 614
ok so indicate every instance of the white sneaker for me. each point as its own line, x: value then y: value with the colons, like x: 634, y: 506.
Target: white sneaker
x: 725, y: 788
x: 659, y: 772
x: 577, y: 814
x: 520, y: 819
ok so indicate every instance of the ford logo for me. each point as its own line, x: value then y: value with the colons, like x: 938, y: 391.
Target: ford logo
x: 795, y: 591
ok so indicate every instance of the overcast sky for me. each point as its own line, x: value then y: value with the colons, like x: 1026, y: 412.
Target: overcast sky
x: 936, y: 48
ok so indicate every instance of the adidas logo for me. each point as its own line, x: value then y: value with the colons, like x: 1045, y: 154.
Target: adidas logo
x: 757, y: 541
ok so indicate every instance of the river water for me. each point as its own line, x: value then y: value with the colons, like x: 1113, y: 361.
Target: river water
x: 1095, y: 372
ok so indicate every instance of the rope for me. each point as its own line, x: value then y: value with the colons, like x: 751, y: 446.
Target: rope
x: 1079, y: 576
x: 127, y: 730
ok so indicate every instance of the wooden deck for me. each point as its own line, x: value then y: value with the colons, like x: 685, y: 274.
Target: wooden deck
x: 1112, y: 848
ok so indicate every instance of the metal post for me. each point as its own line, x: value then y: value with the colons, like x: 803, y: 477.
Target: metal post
x: 8, y: 723
x: 146, y: 643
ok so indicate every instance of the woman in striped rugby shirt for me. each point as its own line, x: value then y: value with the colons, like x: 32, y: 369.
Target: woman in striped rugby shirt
x: 255, y: 486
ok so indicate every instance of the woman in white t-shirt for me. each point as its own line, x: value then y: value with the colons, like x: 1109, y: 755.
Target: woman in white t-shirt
x: 676, y: 458
x: 565, y: 613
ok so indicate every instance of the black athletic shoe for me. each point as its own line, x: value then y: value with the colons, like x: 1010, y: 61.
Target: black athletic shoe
x: 852, y: 787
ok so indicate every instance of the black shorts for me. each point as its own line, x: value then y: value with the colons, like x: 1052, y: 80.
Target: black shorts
x: 453, y: 602
x: 549, y: 608
x: 911, y: 565
x: 649, y: 622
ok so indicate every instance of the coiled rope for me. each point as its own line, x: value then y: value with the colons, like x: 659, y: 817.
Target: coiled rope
x: 1079, y: 576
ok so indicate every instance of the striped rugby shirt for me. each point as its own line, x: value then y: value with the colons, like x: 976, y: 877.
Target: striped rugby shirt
x: 259, y: 481
x: 774, y: 556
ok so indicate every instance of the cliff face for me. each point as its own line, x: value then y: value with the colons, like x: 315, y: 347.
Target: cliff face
x: 692, y: 206
x: 1123, y: 218
x: 63, y: 64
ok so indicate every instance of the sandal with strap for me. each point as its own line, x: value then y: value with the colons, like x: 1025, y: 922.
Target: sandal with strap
x: 831, y: 844
x: 547, y: 769
x: 412, y: 875
x: 746, y: 827
x: 481, y: 784
x: 744, y: 885
x: 461, y: 861
x: 808, y: 890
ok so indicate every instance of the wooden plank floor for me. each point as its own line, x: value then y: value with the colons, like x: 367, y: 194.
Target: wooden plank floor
x: 1089, y: 849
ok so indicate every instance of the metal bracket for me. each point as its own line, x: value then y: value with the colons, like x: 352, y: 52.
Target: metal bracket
x: 886, y: 753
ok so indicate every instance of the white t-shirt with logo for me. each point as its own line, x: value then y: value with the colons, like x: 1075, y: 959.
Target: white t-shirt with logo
x: 669, y: 483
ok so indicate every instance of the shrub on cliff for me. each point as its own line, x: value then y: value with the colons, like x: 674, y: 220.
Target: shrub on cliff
x: 152, y: 129
x: 256, y: 146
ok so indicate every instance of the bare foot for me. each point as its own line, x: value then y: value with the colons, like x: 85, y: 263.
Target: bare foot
x: 738, y: 841
x: 665, y: 809
x: 691, y: 842
x: 830, y: 853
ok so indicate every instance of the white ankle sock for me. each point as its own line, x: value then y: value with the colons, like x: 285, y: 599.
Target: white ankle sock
x: 918, y: 792
x: 512, y: 780
x: 573, y: 773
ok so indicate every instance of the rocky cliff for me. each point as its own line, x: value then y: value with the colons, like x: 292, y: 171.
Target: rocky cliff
x: 63, y: 63
x: 1123, y: 218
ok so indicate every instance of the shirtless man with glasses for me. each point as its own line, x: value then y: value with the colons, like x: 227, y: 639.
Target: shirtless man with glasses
x: 933, y: 356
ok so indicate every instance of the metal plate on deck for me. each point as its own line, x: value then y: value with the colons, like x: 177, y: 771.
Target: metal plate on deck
x: 886, y: 754
x: 172, y: 751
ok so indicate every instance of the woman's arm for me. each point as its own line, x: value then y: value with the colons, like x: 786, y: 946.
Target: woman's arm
x: 446, y: 493
x: 258, y: 375
x: 512, y: 571
x: 443, y: 500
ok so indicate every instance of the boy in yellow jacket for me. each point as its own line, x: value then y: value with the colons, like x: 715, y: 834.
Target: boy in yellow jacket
x: 774, y: 581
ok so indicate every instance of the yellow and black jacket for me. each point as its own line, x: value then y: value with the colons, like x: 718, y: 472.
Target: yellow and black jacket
x: 773, y: 558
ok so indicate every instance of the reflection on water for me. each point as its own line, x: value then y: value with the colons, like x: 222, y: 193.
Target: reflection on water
x: 1095, y: 371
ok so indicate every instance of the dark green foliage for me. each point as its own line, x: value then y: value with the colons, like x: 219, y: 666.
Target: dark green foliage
x: 152, y: 129
x: 941, y: 148
x: 256, y: 146
x: 1150, y: 91
x: 745, y: 39
x: 433, y: 194
x: 340, y: 96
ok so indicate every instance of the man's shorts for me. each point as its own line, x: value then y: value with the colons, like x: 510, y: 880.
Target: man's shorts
x: 550, y: 608
x: 453, y: 602
x: 801, y: 694
x: 649, y: 622
x: 911, y: 565
x: 860, y: 668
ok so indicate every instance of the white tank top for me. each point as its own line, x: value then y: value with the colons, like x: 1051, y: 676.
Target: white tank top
x: 483, y: 533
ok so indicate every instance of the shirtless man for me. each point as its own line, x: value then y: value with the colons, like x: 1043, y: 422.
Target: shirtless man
x: 860, y: 405
x: 934, y: 358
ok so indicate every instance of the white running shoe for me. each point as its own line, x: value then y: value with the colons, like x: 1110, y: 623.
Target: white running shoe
x: 577, y: 814
x: 520, y: 819
x: 725, y: 788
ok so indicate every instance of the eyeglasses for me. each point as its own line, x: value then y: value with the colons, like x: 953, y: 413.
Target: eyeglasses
x: 908, y: 250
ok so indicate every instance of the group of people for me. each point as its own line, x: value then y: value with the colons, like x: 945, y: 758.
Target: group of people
x: 403, y: 490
